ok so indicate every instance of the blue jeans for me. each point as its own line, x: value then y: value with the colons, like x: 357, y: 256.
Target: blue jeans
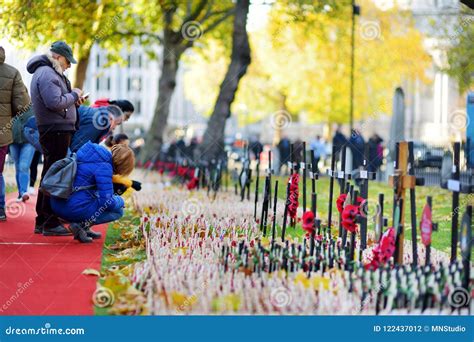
x: 108, y: 216
x: 3, y: 154
x: 22, y: 154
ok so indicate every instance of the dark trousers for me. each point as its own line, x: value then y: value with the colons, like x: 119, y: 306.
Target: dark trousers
x: 34, y: 168
x: 55, y: 146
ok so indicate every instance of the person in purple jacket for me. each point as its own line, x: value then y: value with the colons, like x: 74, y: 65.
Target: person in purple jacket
x: 54, y: 104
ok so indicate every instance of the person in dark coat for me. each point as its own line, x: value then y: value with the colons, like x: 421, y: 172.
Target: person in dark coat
x: 84, y: 208
x: 357, y: 146
x: 54, y: 104
x: 338, y: 140
x: 284, y: 151
x: 125, y: 105
x: 95, y: 124
x: 256, y: 147
x: 14, y: 101
x: 375, y: 152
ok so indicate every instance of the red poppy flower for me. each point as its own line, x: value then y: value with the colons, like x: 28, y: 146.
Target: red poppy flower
x: 383, y: 251
x: 349, y: 215
x: 340, y: 202
x: 192, y: 184
x: 308, y: 222
x: 293, y: 206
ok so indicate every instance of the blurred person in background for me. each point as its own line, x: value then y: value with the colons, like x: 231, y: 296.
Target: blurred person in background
x: 14, y: 101
x: 22, y: 153
x: 284, y: 151
x: 318, y: 146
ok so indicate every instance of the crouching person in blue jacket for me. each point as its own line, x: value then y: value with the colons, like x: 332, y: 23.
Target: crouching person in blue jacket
x: 85, y: 208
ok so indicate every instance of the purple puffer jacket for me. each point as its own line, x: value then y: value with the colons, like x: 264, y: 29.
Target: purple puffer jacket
x: 53, y: 101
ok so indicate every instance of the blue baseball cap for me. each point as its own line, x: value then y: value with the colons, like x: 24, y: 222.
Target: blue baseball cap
x: 61, y: 48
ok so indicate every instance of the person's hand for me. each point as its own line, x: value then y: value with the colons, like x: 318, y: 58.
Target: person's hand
x: 77, y: 91
x: 136, y: 185
x: 80, y: 101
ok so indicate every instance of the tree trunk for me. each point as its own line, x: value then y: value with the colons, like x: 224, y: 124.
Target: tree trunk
x: 166, y: 86
x: 213, y: 141
x: 81, y: 70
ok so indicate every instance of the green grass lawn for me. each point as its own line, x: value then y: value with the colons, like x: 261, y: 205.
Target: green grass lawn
x: 115, y: 235
x: 442, y: 202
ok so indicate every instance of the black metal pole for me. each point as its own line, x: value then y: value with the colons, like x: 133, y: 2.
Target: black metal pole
x: 304, y: 176
x: 256, y: 187
x: 455, y: 208
x: 274, y: 213
x: 411, y: 172
x: 285, y: 212
x: 429, y: 201
x: 331, y: 185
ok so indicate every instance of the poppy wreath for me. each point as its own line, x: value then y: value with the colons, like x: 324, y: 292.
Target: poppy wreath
x: 308, y: 223
x: 383, y: 251
x: 342, y: 199
x: 349, y: 216
x: 293, y: 205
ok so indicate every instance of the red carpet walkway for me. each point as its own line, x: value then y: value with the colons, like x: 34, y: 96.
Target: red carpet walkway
x: 42, y: 275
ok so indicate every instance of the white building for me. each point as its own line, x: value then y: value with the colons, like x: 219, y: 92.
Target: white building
x: 137, y: 81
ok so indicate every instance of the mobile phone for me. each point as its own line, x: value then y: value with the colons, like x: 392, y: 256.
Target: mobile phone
x: 86, y: 95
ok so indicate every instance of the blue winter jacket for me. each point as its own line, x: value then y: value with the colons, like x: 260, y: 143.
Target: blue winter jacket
x: 94, y: 167
x: 94, y: 124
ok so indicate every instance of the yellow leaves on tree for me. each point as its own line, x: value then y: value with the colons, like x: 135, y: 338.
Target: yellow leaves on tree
x: 305, y: 59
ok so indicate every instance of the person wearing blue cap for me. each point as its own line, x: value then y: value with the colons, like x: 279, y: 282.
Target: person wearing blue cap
x: 55, y: 105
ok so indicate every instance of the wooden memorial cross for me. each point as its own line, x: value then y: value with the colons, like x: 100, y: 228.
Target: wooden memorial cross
x: 400, y: 181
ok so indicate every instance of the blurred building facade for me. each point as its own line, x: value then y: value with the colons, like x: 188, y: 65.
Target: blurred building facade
x: 137, y: 81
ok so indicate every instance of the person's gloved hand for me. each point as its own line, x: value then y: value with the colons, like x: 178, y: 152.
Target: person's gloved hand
x: 136, y: 185
x: 119, y: 189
